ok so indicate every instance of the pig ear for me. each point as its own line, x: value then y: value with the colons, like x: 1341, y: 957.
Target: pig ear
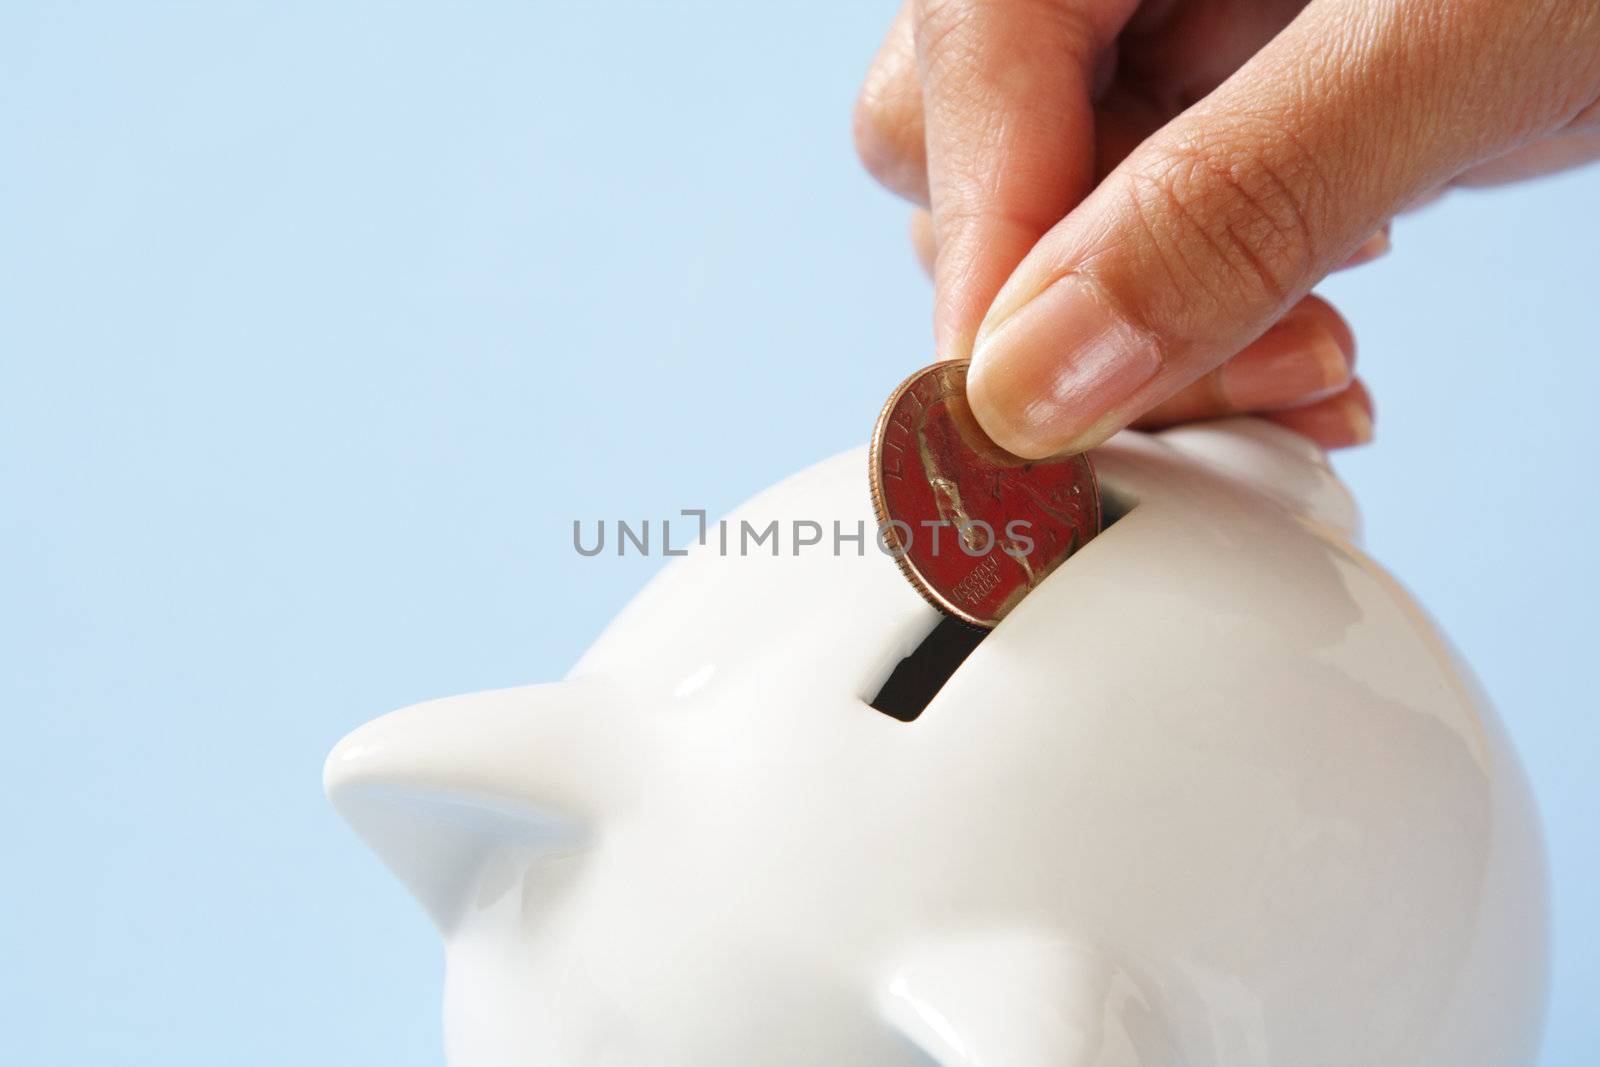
x: 1274, y: 459
x: 1018, y: 999
x: 440, y: 789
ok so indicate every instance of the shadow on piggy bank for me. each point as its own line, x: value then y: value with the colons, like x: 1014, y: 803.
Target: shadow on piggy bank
x: 1216, y: 794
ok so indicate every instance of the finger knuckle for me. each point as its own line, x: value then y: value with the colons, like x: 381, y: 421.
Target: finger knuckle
x: 1232, y: 213
x: 1567, y: 33
x: 888, y: 138
x: 870, y: 130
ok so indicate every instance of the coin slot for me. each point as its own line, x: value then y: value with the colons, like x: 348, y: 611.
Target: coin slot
x: 1113, y: 506
x: 917, y: 678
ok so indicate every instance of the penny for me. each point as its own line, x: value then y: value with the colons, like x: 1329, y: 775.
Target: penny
x: 972, y: 526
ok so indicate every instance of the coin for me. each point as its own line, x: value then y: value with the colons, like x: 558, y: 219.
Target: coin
x: 972, y: 526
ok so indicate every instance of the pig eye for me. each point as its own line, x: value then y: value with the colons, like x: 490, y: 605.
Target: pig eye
x: 917, y: 678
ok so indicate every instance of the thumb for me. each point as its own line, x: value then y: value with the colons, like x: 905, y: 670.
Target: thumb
x: 1225, y: 218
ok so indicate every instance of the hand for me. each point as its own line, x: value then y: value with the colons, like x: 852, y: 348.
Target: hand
x: 1130, y: 201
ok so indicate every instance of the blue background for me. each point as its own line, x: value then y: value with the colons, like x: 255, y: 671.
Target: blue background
x: 320, y: 322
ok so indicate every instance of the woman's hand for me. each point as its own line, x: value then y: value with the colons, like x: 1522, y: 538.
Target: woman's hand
x: 1130, y: 201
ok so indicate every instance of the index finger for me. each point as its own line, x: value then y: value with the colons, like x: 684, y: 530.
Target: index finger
x: 1007, y: 88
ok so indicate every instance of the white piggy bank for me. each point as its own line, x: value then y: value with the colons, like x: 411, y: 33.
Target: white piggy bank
x: 1216, y: 794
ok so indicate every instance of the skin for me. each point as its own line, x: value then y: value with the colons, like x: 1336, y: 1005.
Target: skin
x: 1124, y: 205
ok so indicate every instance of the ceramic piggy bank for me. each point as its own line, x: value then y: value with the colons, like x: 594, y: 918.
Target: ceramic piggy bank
x: 1215, y: 794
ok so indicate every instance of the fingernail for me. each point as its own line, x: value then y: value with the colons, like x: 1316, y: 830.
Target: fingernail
x: 1056, y: 374
x: 1373, y: 247
x: 1341, y: 421
x: 1291, y: 364
x: 1358, y: 412
x: 1359, y: 421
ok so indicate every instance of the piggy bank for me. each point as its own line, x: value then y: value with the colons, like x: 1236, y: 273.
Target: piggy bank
x: 1215, y: 794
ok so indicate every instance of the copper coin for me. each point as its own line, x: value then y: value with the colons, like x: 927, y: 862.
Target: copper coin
x: 972, y: 526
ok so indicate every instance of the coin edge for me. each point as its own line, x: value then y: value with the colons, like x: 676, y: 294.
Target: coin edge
x: 918, y: 582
